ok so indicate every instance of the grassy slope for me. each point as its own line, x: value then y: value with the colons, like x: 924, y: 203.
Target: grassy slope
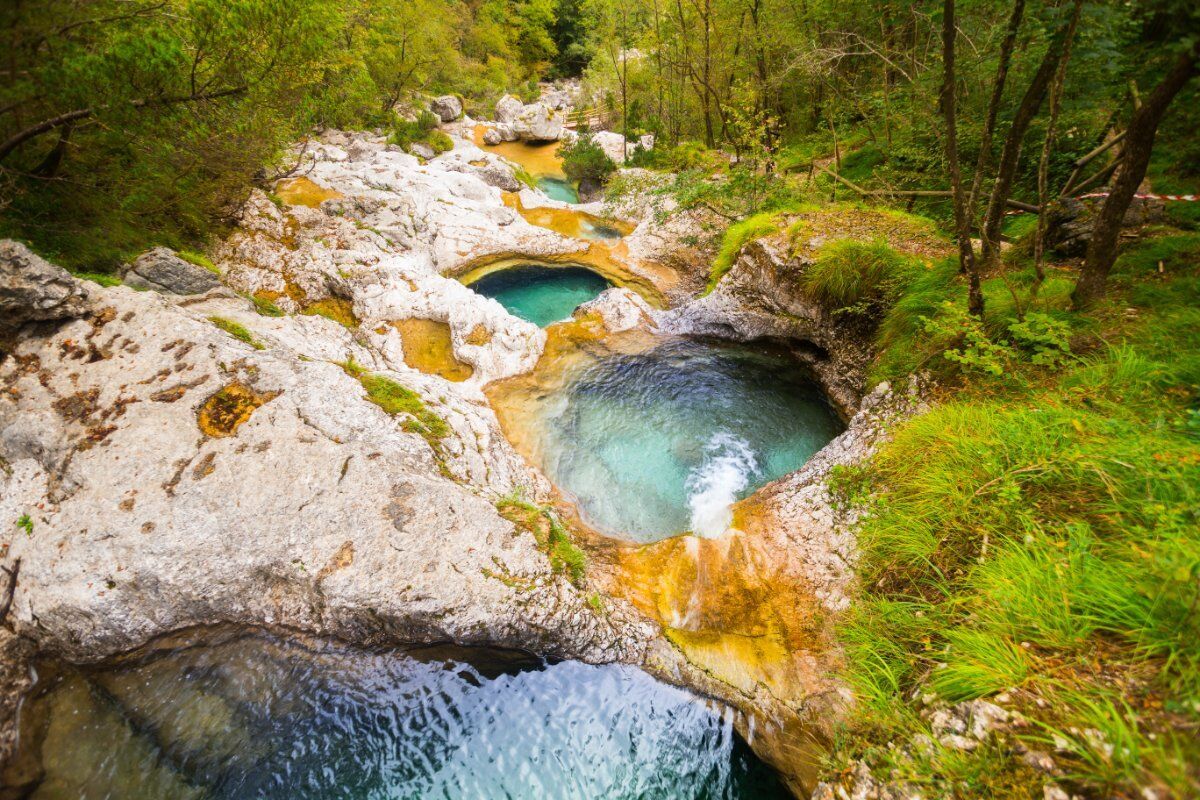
x: 1038, y: 529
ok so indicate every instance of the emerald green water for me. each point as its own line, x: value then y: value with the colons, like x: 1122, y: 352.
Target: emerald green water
x: 541, y: 294
x: 665, y: 441
x: 258, y: 716
x: 558, y: 189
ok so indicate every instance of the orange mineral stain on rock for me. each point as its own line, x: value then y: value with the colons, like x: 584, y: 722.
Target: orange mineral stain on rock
x: 567, y: 221
x: 428, y: 347
x: 539, y: 160
x: 228, y: 407
x: 304, y: 192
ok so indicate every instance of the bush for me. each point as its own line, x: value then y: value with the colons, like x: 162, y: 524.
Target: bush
x: 440, y: 141
x: 857, y: 277
x: 583, y: 159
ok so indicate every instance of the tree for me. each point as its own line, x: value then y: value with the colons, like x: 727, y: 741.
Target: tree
x: 962, y: 223
x: 1135, y: 157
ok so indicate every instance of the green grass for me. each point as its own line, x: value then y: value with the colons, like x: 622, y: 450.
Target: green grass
x: 102, y: 278
x: 736, y: 237
x: 1039, y: 529
x: 199, y: 259
x: 237, y: 331
x: 854, y: 276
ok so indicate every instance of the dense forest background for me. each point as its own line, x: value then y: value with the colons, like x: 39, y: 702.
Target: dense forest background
x: 126, y: 122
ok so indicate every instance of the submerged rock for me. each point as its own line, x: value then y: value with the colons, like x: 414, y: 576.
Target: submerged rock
x: 162, y: 270
x: 34, y: 290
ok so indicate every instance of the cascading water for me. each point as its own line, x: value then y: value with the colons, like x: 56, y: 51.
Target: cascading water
x: 260, y: 717
x: 712, y: 487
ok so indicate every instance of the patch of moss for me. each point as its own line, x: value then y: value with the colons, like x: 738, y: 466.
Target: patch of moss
x: 397, y: 399
x: 200, y: 260
x: 552, y: 536
x: 237, y: 331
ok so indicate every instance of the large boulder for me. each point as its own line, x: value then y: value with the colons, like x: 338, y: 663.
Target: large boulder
x: 508, y: 108
x: 492, y: 137
x: 503, y: 179
x: 32, y: 289
x: 539, y: 123
x: 613, y: 145
x: 162, y: 270
x: 1071, y: 221
x: 447, y: 107
x: 536, y: 122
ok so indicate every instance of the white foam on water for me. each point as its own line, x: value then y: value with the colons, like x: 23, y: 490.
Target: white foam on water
x: 714, y: 485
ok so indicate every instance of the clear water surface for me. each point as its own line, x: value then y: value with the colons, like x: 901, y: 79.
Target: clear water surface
x: 662, y: 442
x: 541, y: 294
x: 261, y: 717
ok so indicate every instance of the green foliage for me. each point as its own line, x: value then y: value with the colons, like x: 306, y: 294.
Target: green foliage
x: 25, y: 523
x: 967, y: 340
x: 406, y: 132
x: 1021, y: 532
x: 1044, y: 336
x: 552, y: 536
x: 857, y: 277
x: 736, y: 237
x: 237, y: 331
x: 565, y: 555
x: 440, y: 142
x: 524, y: 176
x: 583, y: 159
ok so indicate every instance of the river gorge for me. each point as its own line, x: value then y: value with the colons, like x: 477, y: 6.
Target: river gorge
x: 447, y: 487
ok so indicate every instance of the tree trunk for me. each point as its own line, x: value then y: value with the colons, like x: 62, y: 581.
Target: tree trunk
x: 962, y: 222
x: 1043, y: 177
x: 993, y: 109
x: 1135, y: 156
x: 1011, y: 154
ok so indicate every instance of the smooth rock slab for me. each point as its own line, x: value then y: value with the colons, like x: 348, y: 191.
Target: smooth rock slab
x: 163, y: 271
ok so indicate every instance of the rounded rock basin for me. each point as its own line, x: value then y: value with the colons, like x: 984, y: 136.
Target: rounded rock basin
x: 257, y: 716
x: 541, y: 294
x: 664, y: 440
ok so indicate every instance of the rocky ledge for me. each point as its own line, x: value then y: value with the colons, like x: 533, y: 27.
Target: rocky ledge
x: 279, y: 449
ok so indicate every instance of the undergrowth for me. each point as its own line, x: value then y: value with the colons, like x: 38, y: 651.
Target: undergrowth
x: 396, y: 399
x: 736, y: 237
x: 1037, y: 530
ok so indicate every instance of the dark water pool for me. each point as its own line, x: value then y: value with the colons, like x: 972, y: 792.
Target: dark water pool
x: 257, y: 716
x: 541, y: 294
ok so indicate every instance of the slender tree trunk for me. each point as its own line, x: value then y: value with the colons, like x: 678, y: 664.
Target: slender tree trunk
x: 962, y: 222
x: 1135, y: 156
x: 993, y: 109
x: 1043, y: 178
x: 1010, y: 156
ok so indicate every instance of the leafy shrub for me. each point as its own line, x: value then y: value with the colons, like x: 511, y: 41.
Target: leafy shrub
x: 440, y: 141
x: 584, y: 159
x: 857, y: 277
x: 1047, y: 338
x: 407, y: 131
x: 968, y: 342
